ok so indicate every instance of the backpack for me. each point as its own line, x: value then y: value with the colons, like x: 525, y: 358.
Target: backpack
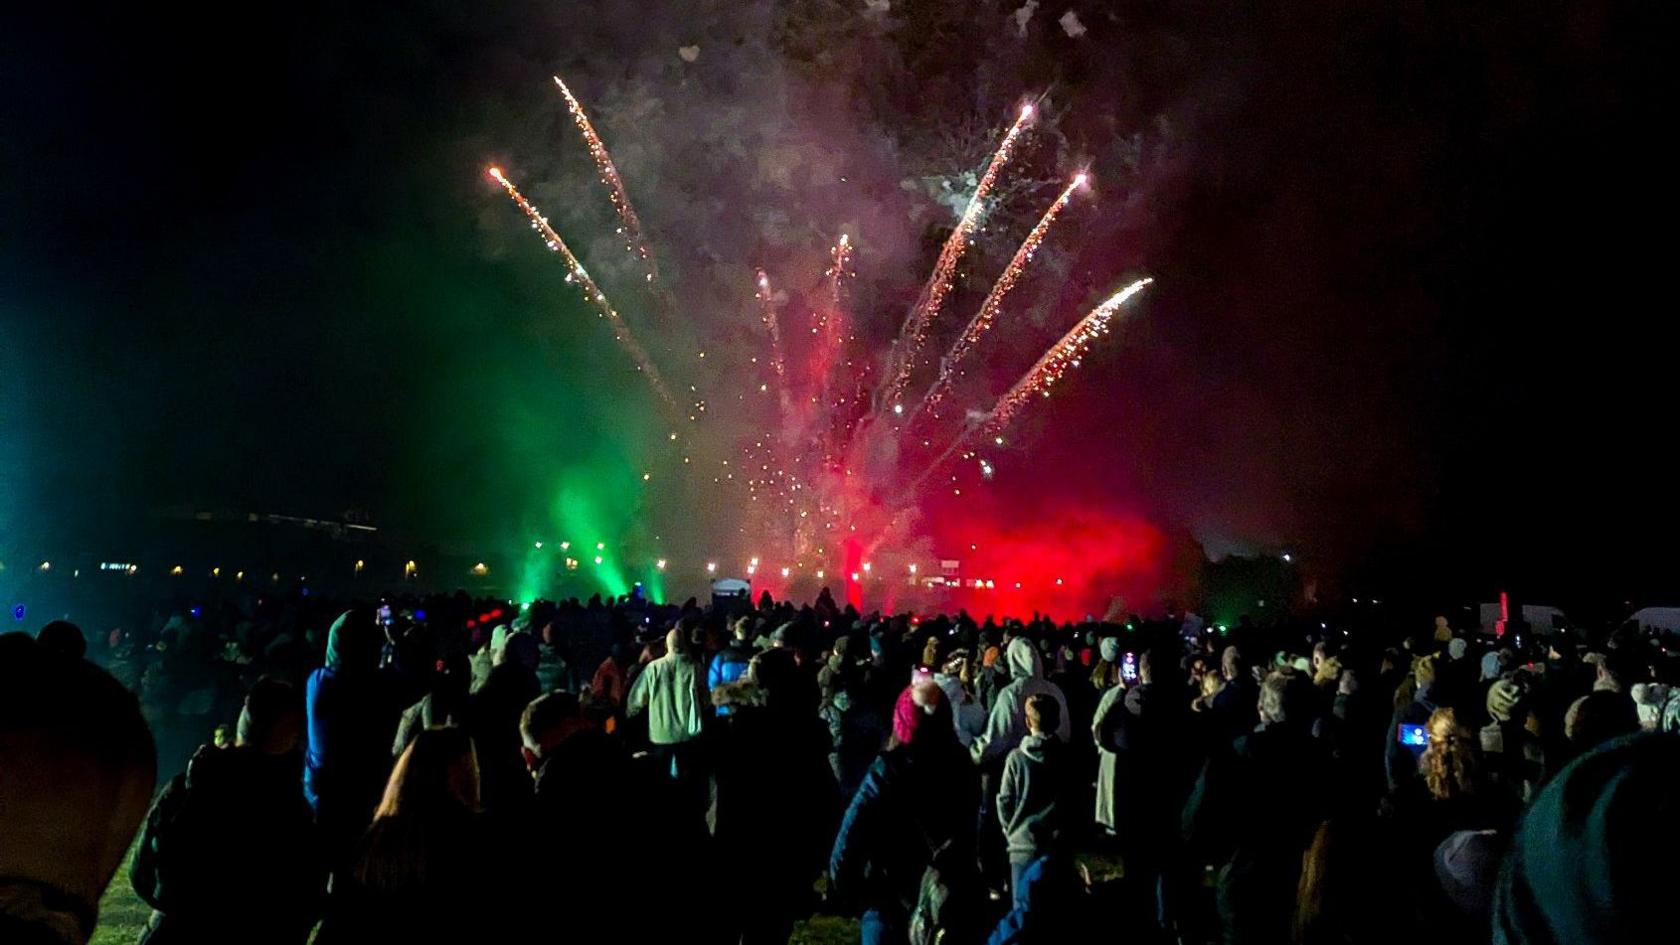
x: 949, y: 899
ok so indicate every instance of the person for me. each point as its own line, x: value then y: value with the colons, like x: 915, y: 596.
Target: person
x: 492, y: 719
x: 77, y: 767
x: 914, y: 804
x: 445, y: 703
x: 1146, y: 739
x: 62, y: 636
x: 580, y: 776
x: 1234, y: 705
x: 1050, y: 904
x: 229, y: 851
x: 552, y: 670
x: 1597, y: 717
x: 1399, y: 762
x: 1591, y: 862
x: 669, y: 692
x: 405, y: 877
x: 1515, y: 760
x: 1007, y: 724
x: 1281, y: 772
x: 732, y: 661
x: 1036, y: 795
x: 777, y: 802
x: 967, y: 716
x: 352, y: 711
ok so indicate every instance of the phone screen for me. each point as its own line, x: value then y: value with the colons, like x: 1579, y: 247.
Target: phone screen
x: 1413, y: 736
x: 1128, y: 667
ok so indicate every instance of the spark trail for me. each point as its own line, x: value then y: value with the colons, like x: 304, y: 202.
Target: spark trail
x: 630, y: 224
x: 592, y: 293
x: 914, y: 334
x: 1062, y: 357
x: 989, y: 309
x: 773, y: 327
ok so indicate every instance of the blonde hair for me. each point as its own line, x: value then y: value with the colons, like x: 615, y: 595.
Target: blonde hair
x: 1451, y: 765
x: 434, y: 780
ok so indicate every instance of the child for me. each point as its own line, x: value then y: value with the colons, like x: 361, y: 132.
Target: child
x: 1033, y: 800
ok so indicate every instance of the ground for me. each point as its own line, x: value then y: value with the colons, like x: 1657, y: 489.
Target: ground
x: 122, y: 916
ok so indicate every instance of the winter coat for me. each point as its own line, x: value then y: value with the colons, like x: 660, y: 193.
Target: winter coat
x: 608, y: 683
x: 671, y: 693
x: 1007, y: 725
x: 552, y: 672
x: 911, y: 803
x: 229, y: 853
x: 492, y: 719
x: 1107, y: 760
x: 439, y: 908
x: 1144, y: 740
x: 777, y: 801
x: 855, y: 738
x: 1255, y: 810
x: 728, y: 665
x: 1035, y: 802
x: 353, y: 709
x: 1050, y: 908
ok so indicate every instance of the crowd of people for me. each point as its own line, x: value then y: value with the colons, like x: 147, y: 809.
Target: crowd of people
x: 449, y: 769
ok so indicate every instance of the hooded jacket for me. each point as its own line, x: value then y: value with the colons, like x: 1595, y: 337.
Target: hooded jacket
x: 352, y: 710
x: 1007, y: 725
x: 1035, y: 799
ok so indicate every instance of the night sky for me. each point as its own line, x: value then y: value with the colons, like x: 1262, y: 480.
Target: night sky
x: 1412, y: 310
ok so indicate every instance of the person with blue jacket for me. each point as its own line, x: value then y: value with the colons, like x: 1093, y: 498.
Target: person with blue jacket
x: 731, y: 662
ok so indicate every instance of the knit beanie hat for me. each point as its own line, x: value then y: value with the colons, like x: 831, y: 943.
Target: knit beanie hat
x: 1457, y: 648
x: 1591, y: 861
x: 1490, y: 666
x: 916, y: 706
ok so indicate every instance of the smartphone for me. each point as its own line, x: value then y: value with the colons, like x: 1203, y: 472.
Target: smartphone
x: 384, y: 615
x: 921, y: 674
x: 1413, y: 736
x: 1128, y: 667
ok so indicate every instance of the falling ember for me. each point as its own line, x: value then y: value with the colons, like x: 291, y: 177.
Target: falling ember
x: 632, y: 226
x: 914, y: 333
x: 591, y: 292
x: 988, y: 312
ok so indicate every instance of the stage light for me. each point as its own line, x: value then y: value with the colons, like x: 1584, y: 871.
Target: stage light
x: 480, y: 569
x: 176, y: 570
x: 597, y: 559
x: 856, y: 576
x: 537, y: 544
x: 711, y: 567
x: 660, y: 564
x: 784, y: 572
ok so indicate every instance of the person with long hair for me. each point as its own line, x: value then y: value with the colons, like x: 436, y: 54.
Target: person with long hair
x: 404, y: 878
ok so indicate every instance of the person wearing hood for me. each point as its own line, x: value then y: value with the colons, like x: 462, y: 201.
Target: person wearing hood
x: 1036, y: 799
x: 1007, y: 724
x: 1592, y: 861
x: 912, y: 808
x: 228, y: 852
x: 352, y: 711
x: 968, y: 718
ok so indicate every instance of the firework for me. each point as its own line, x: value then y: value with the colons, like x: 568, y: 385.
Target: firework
x: 630, y: 227
x: 1062, y: 357
x: 773, y: 327
x: 938, y: 286
x: 591, y: 292
x: 988, y: 312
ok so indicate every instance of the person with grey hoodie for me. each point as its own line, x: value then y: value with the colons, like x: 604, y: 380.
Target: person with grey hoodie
x: 1036, y: 803
x: 1007, y: 725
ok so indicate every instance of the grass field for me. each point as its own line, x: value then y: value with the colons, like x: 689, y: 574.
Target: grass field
x: 123, y: 916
